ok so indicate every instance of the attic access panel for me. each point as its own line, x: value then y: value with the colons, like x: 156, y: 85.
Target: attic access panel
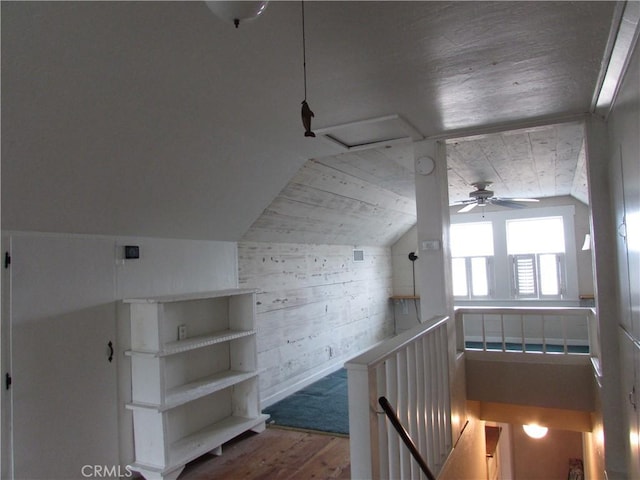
x: 370, y: 133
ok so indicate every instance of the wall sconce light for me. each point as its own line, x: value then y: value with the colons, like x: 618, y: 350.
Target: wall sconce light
x: 236, y: 12
x: 587, y: 242
x: 534, y: 430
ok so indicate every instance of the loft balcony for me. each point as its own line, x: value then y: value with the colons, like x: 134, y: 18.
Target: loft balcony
x: 531, y: 363
x: 486, y: 365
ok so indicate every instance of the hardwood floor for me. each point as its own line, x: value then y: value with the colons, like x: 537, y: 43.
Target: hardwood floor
x: 276, y: 453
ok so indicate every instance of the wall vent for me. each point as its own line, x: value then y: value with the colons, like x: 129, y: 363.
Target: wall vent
x: 358, y: 255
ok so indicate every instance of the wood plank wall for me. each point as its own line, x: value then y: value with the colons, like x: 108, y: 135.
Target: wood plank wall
x: 316, y: 307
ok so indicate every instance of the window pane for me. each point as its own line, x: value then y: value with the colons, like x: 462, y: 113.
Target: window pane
x: 549, y: 275
x: 471, y: 239
x: 535, y: 235
x: 459, y: 274
x: 479, y: 284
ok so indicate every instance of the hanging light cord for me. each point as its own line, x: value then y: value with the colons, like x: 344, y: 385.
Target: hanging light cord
x: 304, y: 54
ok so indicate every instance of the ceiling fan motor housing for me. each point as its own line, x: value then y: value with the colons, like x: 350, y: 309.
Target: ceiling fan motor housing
x: 482, y: 197
x: 481, y: 194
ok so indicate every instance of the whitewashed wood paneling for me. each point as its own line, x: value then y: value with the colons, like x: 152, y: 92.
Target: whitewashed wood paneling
x: 537, y: 162
x: 364, y: 198
x: 389, y: 167
x: 316, y: 307
x: 367, y: 197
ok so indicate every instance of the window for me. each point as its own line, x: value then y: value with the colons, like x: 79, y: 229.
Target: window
x: 536, y: 247
x: 471, y: 276
x: 515, y: 255
x: 472, y: 253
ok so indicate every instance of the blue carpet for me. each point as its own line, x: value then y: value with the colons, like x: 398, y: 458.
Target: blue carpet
x: 322, y: 406
x: 529, y: 347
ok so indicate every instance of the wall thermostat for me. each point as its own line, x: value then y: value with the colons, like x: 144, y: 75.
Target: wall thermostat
x: 131, y: 251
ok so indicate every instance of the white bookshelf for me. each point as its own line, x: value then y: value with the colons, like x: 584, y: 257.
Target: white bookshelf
x: 192, y: 394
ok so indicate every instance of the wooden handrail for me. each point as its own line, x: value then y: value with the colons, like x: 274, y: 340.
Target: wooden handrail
x: 404, y: 435
x: 380, y: 353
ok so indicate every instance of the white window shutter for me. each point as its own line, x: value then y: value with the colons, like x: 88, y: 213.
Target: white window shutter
x: 524, y: 275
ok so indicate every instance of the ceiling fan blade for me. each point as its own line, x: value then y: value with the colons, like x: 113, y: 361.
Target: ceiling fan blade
x: 462, y: 202
x: 468, y: 208
x: 521, y: 199
x: 503, y: 202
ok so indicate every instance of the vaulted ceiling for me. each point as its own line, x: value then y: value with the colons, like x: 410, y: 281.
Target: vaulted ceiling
x: 159, y: 119
x: 361, y: 198
x: 367, y: 197
x: 537, y: 162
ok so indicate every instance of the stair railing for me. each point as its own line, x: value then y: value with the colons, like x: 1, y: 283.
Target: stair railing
x: 411, y: 370
x: 404, y: 435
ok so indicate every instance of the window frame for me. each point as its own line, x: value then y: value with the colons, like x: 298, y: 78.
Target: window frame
x: 469, y: 277
x: 502, y: 269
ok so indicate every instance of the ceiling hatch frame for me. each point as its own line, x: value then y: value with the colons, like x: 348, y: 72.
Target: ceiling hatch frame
x: 375, y: 132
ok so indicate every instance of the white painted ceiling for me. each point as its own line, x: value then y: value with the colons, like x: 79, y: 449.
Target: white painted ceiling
x: 159, y: 119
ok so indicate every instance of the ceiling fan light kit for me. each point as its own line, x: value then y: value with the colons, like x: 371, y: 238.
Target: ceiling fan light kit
x: 236, y: 12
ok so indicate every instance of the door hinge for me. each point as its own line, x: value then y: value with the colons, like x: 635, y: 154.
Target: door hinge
x: 7, y: 381
x: 7, y: 259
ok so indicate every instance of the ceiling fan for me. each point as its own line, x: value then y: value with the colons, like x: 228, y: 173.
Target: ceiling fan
x: 481, y: 196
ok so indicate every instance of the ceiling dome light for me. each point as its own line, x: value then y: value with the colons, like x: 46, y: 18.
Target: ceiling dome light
x: 534, y: 430
x: 236, y: 12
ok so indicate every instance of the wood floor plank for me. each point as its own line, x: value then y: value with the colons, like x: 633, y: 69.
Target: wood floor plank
x: 276, y: 454
x: 329, y: 462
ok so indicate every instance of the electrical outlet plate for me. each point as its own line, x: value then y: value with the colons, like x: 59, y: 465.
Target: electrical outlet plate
x: 182, y: 332
x: 432, y: 245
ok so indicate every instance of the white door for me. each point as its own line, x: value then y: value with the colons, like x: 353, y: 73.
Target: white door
x: 630, y: 356
x: 5, y: 361
x: 64, y: 384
